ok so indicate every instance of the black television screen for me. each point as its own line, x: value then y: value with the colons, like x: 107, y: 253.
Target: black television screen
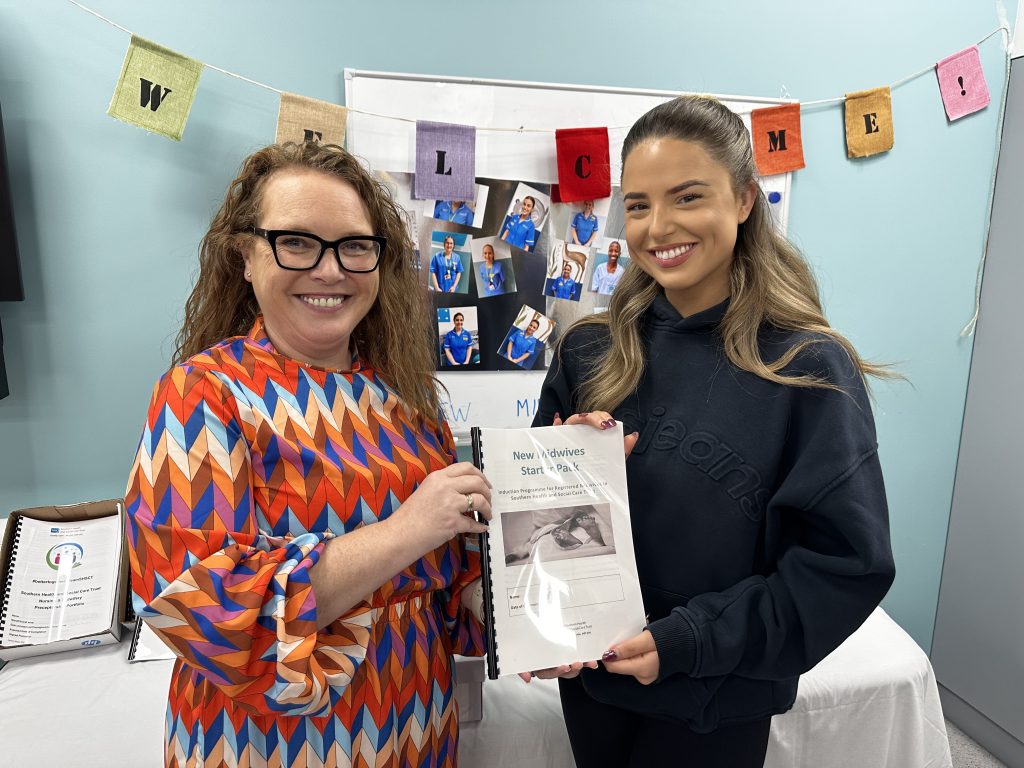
x: 10, y: 269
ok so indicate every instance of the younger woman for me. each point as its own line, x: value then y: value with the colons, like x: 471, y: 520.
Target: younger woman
x: 759, y: 514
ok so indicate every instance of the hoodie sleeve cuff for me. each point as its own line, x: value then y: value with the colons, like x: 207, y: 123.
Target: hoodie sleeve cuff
x: 676, y: 643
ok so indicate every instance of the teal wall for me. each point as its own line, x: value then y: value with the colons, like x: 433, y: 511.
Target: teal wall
x: 109, y: 217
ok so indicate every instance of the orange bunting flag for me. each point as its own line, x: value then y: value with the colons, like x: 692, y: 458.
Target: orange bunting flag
x: 775, y: 132
x: 869, y: 122
x: 300, y: 118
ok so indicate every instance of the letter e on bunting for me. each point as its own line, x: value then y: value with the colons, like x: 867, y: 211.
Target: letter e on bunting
x: 778, y: 145
x: 445, y: 161
x: 869, y: 122
x: 962, y: 83
x: 584, y: 169
x: 300, y: 118
x: 156, y: 88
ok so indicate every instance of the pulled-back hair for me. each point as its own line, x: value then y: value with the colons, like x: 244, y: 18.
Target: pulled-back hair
x: 395, y: 337
x: 770, y: 281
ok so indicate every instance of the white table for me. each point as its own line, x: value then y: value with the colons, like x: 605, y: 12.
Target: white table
x: 872, y: 704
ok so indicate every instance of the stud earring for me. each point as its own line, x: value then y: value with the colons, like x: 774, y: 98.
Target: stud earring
x: 248, y: 275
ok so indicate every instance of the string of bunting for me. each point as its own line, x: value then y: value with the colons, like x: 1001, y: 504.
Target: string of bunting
x: 157, y: 87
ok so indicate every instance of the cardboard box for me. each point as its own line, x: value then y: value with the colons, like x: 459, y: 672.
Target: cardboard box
x: 469, y: 681
x: 70, y: 514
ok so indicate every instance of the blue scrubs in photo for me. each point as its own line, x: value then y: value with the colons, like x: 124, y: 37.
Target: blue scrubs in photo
x: 463, y: 216
x: 446, y: 272
x: 522, y: 345
x: 492, y: 279
x: 585, y: 228
x: 521, y: 232
x: 563, y: 287
x: 443, y: 210
x: 458, y: 344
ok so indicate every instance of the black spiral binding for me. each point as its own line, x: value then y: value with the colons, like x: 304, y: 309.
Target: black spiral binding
x: 485, y: 570
x: 133, y: 649
x: 9, y: 576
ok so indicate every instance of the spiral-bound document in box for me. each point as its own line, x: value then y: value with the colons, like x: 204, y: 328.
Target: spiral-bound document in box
x: 61, y: 579
x: 560, y: 578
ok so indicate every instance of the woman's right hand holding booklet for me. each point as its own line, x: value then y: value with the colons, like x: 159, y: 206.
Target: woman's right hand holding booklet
x: 598, y: 420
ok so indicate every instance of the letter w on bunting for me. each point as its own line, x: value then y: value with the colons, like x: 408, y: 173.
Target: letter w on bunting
x: 445, y: 161
x: 156, y: 88
x: 869, y: 122
x: 300, y: 118
x: 778, y: 145
x: 584, y: 169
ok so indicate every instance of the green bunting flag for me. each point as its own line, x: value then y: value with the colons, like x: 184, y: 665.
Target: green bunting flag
x: 156, y: 88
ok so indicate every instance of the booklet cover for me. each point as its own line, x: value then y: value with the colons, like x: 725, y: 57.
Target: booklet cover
x: 560, y: 583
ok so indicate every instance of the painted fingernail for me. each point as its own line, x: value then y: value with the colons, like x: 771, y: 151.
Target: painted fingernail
x: 584, y: 414
x: 609, y: 656
x: 557, y: 416
x: 608, y: 424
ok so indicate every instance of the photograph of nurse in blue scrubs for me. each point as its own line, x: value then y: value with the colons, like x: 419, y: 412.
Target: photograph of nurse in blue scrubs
x: 492, y: 267
x: 525, y: 218
x: 458, y: 336
x: 524, y: 342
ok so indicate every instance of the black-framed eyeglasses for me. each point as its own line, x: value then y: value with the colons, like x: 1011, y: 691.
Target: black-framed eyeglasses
x: 303, y: 250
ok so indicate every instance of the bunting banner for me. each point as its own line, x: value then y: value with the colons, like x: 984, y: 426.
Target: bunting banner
x: 300, y: 118
x: 869, y: 129
x: 775, y: 134
x: 156, y: 88
x: 445, y: 161
x: 962, y: 83
x: 584, y: 167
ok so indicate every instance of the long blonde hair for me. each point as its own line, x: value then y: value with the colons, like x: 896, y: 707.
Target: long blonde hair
x: 396, y: 337
x: 770, y: 281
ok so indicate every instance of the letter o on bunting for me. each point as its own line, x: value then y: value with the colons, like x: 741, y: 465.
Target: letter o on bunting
x: 584, y: 169
x: 778, y: 146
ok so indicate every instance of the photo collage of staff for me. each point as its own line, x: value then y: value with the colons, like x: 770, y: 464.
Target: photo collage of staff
x: 508, y: 268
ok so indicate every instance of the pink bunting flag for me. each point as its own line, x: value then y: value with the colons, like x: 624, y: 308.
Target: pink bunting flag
x: 962, y: 83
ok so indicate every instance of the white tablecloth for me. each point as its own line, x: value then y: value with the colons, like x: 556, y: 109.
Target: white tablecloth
x: 871, y: 704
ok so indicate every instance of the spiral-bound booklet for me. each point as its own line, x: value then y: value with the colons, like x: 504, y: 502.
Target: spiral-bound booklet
x: 560, y: 578
x: 60, y: 581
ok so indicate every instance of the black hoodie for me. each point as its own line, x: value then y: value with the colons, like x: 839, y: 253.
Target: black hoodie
x: 758, y: 512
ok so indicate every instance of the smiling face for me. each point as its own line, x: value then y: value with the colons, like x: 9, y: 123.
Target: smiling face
x: 489, y: 254
x: 682, y: 218
x: 310, y: 315
x: 614, y: 251
x: 458, y: 320
x: 449, y: 246
x: 566, y: 270
x: 588, y: 208
x: 527, y: 208
x: 531, y: 328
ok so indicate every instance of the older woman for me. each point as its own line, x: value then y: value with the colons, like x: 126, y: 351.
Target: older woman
x: 296, y: 518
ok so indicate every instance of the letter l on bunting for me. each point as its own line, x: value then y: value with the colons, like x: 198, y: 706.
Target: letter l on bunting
x: 445, y: 161
x: 778, y: 145
x: 156, y: 88
x: 584, y: 169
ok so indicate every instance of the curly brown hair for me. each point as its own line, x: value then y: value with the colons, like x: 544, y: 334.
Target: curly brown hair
x: 396, y: 337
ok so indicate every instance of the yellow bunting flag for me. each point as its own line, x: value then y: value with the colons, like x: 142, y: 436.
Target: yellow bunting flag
x: 778, y: 145
x: 869, y: 122
x: 156, y: 88
x: 300, y: 118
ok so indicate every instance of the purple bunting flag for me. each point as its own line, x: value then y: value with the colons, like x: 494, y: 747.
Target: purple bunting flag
x: 445, y: 161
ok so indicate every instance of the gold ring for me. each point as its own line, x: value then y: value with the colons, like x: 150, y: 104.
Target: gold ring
x: 469, y: 503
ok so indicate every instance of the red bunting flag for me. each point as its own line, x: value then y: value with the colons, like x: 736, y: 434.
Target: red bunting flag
x: 775, y: 132
x: 584, y: 169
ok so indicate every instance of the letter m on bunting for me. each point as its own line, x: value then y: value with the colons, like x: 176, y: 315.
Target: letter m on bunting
x: 156, y: 89
x: 775, y: 132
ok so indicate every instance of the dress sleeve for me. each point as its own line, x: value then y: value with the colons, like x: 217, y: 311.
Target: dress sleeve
x: 234, y: 603
x: 464, y: 630
x: 827, y: 530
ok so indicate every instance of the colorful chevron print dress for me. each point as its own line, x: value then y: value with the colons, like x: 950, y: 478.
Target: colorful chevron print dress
x: 248, y: 463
